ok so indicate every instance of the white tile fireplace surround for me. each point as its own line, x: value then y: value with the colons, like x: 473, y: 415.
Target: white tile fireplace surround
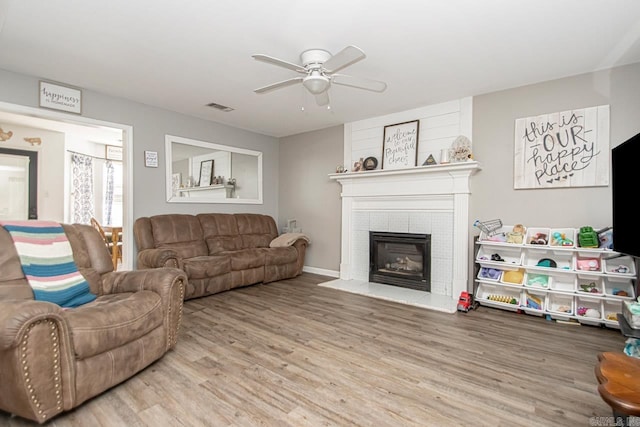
x: 429, y: 199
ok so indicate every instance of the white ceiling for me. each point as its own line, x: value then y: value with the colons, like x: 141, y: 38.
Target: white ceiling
x: 182, y: 55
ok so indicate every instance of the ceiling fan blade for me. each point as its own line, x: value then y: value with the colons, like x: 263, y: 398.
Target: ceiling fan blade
x: 344, y: 58
x: 322, y: 98
x: 358, y: 82
x: 278, y: 85
x: 280, y: 63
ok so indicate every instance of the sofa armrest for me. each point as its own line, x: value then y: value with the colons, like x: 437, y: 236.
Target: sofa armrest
x: 37, y: 359
x: 17, y: 315
x: 158, y: 258
x: 301, y: 247
x: 169, y: 283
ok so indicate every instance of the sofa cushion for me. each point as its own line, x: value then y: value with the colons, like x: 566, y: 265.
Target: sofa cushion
x: 246, y: 258
x: 180, y: 232
x: 280, y: 256
x: 112, y: 321
x: 256, y: 230
x: 207, y: 266
x: 220, y: 232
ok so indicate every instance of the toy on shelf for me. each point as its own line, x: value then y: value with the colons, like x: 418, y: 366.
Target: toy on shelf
x: 588, y: 264
x: 588, y: 238
x: 490, y: 273
x: 588, y: 312
x: 560, y: 239
x: 620, y: 293
x: 515, y: 277
x: 590, y: 287
x: 517, y: 234
x: 503, y: 298
x: 539, y: 239
x: 605, y: 237
x: 534, y: 302
x: 490, y: 228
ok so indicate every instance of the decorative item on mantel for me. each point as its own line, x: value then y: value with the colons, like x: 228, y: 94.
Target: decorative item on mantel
x: 430, y: 161
x: 357, y: 165
x: 370, y: 163
x: 461, y: 149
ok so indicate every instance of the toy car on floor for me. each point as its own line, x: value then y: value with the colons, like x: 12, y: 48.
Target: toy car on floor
x: 465, y: 302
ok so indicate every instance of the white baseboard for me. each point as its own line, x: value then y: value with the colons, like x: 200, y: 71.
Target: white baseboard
x: 321, y: 271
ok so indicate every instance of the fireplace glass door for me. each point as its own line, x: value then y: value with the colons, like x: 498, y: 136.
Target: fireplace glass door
x: 400, y: 259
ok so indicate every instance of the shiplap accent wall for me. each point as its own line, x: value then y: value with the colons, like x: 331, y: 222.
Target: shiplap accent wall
x: 440, y: 125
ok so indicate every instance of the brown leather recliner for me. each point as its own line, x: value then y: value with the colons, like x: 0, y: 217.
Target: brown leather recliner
x: 218, y: 251
x: 52, y: 359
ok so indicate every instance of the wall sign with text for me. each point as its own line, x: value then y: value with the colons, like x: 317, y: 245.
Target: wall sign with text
x: 563, y: 149
x: 58, y: 97
x: 400, y: 145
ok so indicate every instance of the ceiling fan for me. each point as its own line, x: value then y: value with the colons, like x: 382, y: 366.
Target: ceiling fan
x: 320, y: 71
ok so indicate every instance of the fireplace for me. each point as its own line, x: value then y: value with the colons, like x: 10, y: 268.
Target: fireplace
x: 400, y: 259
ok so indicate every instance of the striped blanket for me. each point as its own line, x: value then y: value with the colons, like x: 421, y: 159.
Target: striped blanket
x: 47, y: 262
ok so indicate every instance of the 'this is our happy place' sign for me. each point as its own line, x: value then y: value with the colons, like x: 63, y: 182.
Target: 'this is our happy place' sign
x: 563, y: 149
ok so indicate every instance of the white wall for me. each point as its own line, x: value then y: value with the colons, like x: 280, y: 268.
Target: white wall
x: 440, y: 125
x: 150, y: 125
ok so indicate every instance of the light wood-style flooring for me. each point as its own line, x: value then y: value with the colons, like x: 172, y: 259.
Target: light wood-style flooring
x: 293, y: 353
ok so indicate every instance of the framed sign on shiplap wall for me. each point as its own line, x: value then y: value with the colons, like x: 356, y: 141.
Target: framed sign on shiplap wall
x: 563, y: 149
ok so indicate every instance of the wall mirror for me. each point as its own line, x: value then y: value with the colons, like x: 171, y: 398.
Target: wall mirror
x: 203, y: 172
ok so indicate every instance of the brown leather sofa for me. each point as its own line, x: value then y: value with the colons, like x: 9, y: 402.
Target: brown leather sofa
x: 53, y: 359
x: 217, y: 251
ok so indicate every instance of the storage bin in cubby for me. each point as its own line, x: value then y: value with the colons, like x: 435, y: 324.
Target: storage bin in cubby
x: 499, y: 296
x: 583, y: 303
x: 622, y: 266
x: 616, y: 287
x: 566, y: 237
x: 534, y: 235
x: 537, y: 280
x: 610, y: 311
x: 509, y: 277
x: 563, y: 259
x: 510, y: 255
x: 533, y: 302
x: 588, y: 262
x: 489, y: 273
x: 563, y: 283
x: 560, y: 306
x: 589, y: 282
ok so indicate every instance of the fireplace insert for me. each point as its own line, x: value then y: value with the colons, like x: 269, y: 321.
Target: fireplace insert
x: 400, y: 259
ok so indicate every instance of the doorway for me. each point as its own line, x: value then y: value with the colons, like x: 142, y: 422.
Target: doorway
x: 66, y: 125
x: 18, y: 184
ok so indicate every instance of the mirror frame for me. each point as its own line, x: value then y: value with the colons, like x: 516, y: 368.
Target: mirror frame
x: 170, y: 139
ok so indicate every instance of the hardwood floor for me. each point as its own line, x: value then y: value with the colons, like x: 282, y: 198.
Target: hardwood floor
x: 293, y: 353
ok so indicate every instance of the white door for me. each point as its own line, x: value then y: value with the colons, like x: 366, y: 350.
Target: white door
x: 14, y: 184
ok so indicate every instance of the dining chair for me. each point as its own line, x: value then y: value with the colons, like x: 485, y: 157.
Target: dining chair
x: 109, y: 242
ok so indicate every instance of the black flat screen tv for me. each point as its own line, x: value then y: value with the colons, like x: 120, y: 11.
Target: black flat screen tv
x: 625, y: 184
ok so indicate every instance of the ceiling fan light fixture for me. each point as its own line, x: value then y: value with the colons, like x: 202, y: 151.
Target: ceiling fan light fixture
x: 316, y: 83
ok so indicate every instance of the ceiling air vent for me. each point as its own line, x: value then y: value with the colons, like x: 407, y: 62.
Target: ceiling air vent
x: 220, y: 107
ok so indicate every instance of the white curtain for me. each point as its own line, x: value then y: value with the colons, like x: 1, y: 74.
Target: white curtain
x: 82, y: 208
x: 108, y: 194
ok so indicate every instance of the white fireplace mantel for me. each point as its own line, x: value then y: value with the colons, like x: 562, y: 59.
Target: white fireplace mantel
x: 410, y: 193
